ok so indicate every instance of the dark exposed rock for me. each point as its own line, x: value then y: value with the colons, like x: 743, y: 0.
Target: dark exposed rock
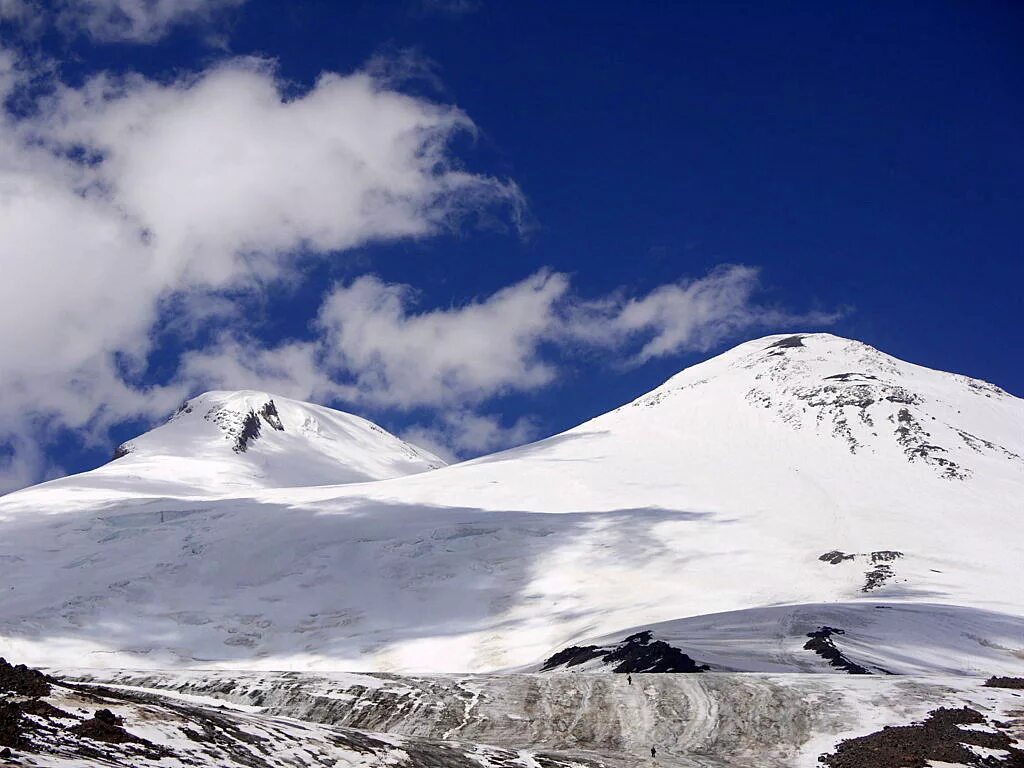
x: 882, y: 572
x: 912, y: 437
x: 250, y: 431
x: 271, y: 416
x: 853, y: 404
x: 855, y: 395
x: 885, y: 556
x: 120, y: 452
x: 983, y: 387
x: 13, y: 726
x: 106, y: 726
x: 980, y: 445
x: 44, y: 709
x: 637, y: 653
x: 835, y: 557
x: 107, y: 717
x: 821, y: 643
x: 937, y: 739
x: 22, y: 680
x: 843, y: 401
x: 1005, y: 682
x: 877, y: 577
x: 789, y: 341
x: 240, y: 427
x: 850, y: 376
x: 573, y: 656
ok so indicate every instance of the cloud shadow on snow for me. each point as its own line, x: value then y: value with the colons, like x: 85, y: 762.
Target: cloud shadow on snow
x: 228, y: 580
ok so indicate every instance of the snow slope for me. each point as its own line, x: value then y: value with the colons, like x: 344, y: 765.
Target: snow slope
x: 805, y: 471
x: 224, y: 442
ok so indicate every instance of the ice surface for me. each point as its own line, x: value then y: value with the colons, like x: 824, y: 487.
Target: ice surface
x: 717, y: 719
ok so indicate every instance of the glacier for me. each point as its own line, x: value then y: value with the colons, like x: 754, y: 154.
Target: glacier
x: 798, y: 508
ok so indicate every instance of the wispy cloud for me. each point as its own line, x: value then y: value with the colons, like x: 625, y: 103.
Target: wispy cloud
x: 139, y: 21
x: 448, y: 7
x: 688, y: 315
x: 116, y: 21
x: 456, y: 434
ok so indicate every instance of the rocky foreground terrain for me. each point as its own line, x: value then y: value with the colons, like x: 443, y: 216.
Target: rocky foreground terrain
x: 194, y: 718
x: 46, y: 721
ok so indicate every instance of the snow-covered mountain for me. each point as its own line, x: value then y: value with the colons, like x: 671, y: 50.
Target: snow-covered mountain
x: 793, y: 485
x: 224, y: 442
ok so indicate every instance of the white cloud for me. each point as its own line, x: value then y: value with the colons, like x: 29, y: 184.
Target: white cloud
x: 139, y: 21
x: 225, y: 174
x: 373, y: 338
x: 122, y: 193
x: 397, y: 356
x: 292, y: 369
x: 456, y: 434
x: 18, y: 11
x: 684, y: 316
x: 22, y: 462
x: 376, y: 350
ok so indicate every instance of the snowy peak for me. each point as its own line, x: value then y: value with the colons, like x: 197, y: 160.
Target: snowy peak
x: 239, y: 415
x: 227, y: 440
x: 240, y: 426
x: 796, y: 501
x: 868, y: 402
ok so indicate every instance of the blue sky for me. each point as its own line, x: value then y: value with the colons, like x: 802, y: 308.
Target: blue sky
x: 493, y: 221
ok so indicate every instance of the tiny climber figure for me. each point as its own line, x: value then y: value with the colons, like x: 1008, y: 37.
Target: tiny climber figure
x: 629, y: 679
x: 654, y: 752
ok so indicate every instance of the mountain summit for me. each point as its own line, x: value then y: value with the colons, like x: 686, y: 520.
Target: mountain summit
x: 869, y: 402
x: 223, y: 442
x: 799, y: 503
x: 788, y: 425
